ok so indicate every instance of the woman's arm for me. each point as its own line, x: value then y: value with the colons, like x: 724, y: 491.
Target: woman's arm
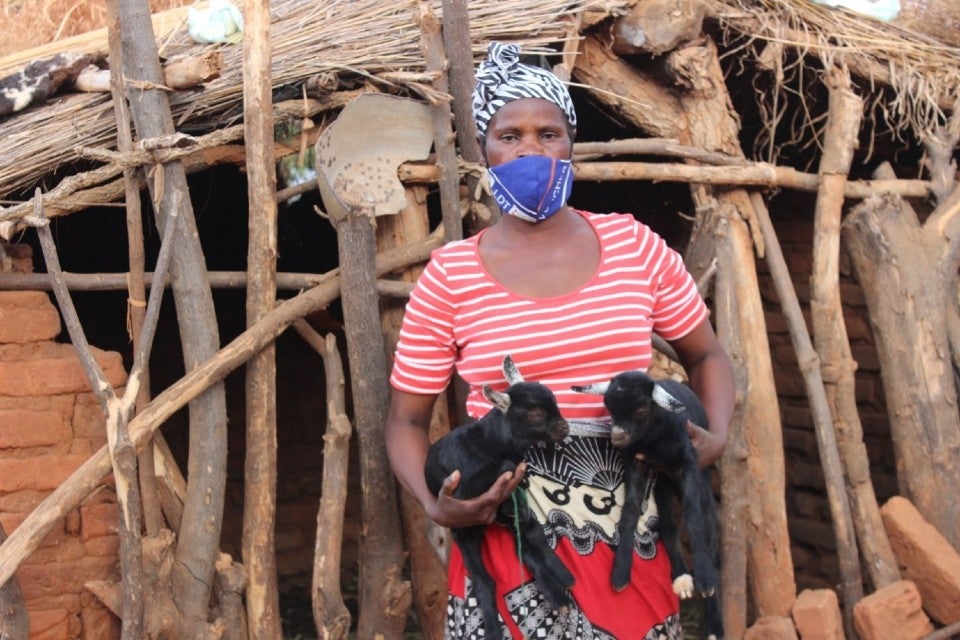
x: 711, y: 377
x: 406, y: 433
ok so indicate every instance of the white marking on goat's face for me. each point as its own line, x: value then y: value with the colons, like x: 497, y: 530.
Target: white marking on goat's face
x: 510, y: 371
x: 619, y: 437
x: 596, y: 387
x: 499, y: 399
x: 663, y: 399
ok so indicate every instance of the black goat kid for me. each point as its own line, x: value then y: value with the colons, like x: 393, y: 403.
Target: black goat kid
x: 650, y: 417
x: 483, y: 450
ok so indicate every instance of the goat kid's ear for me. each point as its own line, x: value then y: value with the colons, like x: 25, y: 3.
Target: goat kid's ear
x: 596, y: 387
x: 499, y: 399
x: 510, y: 371
x: 663, y: 399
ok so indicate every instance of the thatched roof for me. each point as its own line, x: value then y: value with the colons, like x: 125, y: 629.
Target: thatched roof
x: 362, y: 37
x: 380, y: 42
x: 921, y: 70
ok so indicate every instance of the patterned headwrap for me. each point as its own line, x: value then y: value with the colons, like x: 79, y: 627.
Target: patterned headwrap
x: 502, y: 78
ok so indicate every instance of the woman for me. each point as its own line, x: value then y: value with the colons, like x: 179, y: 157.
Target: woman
x: 573, y: 297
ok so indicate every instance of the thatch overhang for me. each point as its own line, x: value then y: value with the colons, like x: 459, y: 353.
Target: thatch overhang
x: 366, y: 41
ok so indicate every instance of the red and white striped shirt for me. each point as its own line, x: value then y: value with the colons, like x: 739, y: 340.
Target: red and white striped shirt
x: 460, y: 316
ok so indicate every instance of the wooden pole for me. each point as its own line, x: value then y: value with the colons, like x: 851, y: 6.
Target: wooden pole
x: 218, y: 280
x: 907, y: 272
x: 330, y: 613
x: 199, y: 537
x: 122, y: 453
x: 384, y: 595
x: 136, y: 290
x: 820, y: 410
x: 458, y: 45
x: 431, y: 43
x: 260, y: 469
x: 743, y: 174
x: 837, y: 366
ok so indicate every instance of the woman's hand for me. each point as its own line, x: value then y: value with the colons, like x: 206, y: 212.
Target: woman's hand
x: 709, y: 446
x: 448, y: 511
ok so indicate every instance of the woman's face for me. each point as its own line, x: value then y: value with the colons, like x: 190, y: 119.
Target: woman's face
x: 527, y: 127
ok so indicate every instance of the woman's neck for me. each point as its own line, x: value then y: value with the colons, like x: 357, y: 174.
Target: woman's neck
x: 556, y: 228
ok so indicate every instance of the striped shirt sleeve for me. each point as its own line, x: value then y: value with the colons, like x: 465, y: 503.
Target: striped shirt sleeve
x: 426, y: 351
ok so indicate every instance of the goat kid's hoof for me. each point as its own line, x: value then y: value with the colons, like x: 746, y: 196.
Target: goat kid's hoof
x: 683, y: 586
x: 707, y: 592
x: 619, y: 586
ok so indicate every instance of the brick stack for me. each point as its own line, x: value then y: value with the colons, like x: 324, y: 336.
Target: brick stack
x: 50, y: 423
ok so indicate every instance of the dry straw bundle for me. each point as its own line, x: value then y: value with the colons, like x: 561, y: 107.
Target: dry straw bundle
x: 922, y: 72
x: 366, y: 38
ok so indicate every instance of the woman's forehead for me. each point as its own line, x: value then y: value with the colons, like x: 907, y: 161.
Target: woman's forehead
x: 543, y: 110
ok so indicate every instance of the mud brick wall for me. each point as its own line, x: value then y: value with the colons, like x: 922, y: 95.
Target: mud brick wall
x: 50, y: 423
x: 813, y: 542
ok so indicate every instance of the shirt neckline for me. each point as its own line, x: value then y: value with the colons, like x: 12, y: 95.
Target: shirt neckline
x: 557, y: 298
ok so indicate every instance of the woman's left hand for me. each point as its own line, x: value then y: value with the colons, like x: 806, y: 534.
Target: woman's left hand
x: 708, y: 445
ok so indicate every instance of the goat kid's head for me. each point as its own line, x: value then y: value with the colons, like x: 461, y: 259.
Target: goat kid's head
x: 632, y: 398
x: 530, y: 408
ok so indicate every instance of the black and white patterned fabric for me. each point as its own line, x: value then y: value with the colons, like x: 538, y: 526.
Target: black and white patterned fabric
x: 502, y: 78
x: 538, y: 622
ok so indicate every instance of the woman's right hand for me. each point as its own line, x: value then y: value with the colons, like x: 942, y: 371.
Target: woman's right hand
x: 448, y: 511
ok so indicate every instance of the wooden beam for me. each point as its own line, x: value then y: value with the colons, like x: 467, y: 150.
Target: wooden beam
x: 260, y: 460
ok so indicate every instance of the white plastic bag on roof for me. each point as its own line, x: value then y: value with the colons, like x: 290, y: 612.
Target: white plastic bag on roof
x: 221, y: 21
x: 885, y: 10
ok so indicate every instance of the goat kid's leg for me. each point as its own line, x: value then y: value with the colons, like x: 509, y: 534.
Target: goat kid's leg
x: 697, y: 503
x: 468, y: 540
x: 551, y: 575
x: 666, y: 493
x: 634, y: 479
x: 712, y: 618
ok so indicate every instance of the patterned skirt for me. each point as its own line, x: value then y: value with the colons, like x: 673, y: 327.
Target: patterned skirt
x: 576, y: 490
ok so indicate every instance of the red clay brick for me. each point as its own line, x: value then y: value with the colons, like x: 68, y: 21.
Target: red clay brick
x: 12, y: 520
x: 49, y: 625
x: 88, y: 420
x: 771, y: 628
x: 925, y: 557
x: 62, y: 404
x: 21, y: 501
x: 98, y: 520
x: 66, y: 549
x: 98, y: 623
x: 68, y: 601
x: 41, y: 473
x: 21, y: 429
x: 28, y: 316
x: 57, y: 375
x: 816, y: 614
x: 41, y: 580
x: 895, y: 611
x: 104, y: 546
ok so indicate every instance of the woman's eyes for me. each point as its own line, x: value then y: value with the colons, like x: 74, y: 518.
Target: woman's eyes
x: 512, y: 137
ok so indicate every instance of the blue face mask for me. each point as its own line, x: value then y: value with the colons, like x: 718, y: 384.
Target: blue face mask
x: 532, y: 188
